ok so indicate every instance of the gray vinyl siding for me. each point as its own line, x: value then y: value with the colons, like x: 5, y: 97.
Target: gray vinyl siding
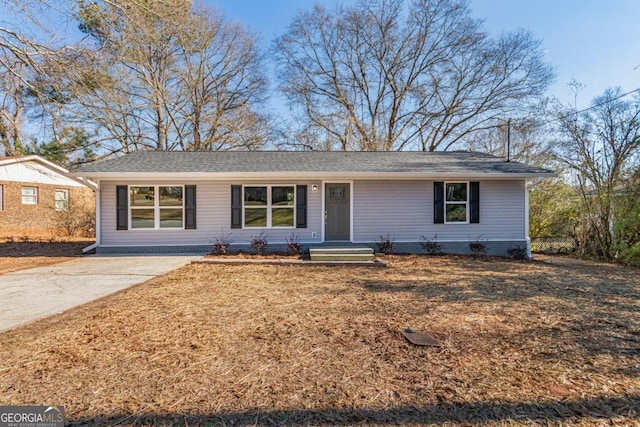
x: 404, y: 209
x: 213, y: 213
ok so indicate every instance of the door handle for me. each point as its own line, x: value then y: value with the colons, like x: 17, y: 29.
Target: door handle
x: 326, y: 217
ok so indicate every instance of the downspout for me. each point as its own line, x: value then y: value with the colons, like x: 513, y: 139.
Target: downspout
x: 526, y: 218
x: 98, y: 231
x: 90, y: 184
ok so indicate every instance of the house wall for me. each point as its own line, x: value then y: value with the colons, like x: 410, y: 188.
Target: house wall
x: 39, y: 220
x: 404, y: 209
x: 213, y: 213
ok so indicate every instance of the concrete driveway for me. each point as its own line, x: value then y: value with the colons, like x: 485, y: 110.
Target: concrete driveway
x: 39, y: 292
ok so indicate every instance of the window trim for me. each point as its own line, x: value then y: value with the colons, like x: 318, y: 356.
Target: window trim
x: 269, y: 207
x: 66, y: 199
x: 156, y: 207
x: 465, y: 203
x: 34, y: 195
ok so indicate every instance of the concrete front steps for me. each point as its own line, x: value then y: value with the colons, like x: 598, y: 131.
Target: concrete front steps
x: 341, y: 254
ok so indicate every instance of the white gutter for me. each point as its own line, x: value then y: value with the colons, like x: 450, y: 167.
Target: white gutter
x: 89, y: 183
x: 120, y: 176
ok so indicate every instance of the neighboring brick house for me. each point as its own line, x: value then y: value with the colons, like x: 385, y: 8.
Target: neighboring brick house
x: 36, y: 194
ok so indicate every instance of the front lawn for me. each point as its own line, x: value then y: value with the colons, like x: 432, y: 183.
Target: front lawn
x: 523, y: 343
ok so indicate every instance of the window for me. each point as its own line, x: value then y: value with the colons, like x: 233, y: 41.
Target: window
x: 156, y: 206
x: 62, y: 200
x: 269, y: 206
x: 29, y: 196
x: 456, y: 202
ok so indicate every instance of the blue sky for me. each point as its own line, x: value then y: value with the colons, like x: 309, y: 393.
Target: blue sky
x: 596, y: 42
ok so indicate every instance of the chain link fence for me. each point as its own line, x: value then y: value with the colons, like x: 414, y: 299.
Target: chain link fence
x: 554, y: 245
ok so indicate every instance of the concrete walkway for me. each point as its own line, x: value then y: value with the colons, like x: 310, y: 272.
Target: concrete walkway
x: 31, y: 294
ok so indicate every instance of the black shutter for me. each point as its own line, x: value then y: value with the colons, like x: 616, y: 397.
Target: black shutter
x: 301, y: 206
x: 122, y: 207
x: 190, y: 207
x: 474, y: 202
x: 236, y: 206
x: 438, y: 202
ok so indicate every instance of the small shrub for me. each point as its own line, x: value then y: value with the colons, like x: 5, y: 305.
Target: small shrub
x: 518, y: 252
x: 78, y: 219
x: 478, y: 247
x: 432, y: 247
x: 293, y: 245
x: 259, y: 243
x: 386, y: 244
x: 222, y: 244
x: 629, y: 255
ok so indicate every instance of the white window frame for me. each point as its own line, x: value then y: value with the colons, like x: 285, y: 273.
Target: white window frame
x: 65, y: 200
x: 156, y: 207
x: 465, y: 203
x: 33, y: 197
x: 269, y: 207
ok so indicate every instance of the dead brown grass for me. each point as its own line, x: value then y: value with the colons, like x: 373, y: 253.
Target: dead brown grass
x: 522, y: 344
x: 36, y: 253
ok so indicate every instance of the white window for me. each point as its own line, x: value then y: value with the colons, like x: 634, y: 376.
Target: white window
x: 156, y: 206
x: 456, y: 202
x: 29, y: 195
x: 269, y: 206
x: 62, y: 200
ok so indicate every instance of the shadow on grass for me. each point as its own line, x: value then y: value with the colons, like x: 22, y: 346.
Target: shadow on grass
x: 613, y: 409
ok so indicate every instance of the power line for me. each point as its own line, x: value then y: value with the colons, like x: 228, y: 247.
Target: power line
x: 600, y: 104
x: 560, y: 118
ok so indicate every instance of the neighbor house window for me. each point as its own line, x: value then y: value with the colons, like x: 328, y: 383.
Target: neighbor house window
x: 456, y: 202
x: 156, y: 206
x: 269, y: 206
x: 62, y: 200
x: 29, y: 196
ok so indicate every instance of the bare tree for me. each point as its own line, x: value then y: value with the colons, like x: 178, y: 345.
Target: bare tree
x: 166, y: 76
x: 602, y: 146
x: 28, y: 42
x: 12, y: 103
x: 389, y: 75
x: 526, y: 140
x: 222, y: 79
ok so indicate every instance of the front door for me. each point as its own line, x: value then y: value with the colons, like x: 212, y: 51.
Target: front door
x: 337, y: 214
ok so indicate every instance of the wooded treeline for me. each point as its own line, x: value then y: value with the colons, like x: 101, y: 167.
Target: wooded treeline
x: 133, y: 75
x: 84, y: 79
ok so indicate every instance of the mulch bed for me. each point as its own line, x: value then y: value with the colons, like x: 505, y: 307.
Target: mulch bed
x: 522, y: 343
x: 19, y: 255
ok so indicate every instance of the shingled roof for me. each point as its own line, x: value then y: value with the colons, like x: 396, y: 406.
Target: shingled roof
x: 323, y: 164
